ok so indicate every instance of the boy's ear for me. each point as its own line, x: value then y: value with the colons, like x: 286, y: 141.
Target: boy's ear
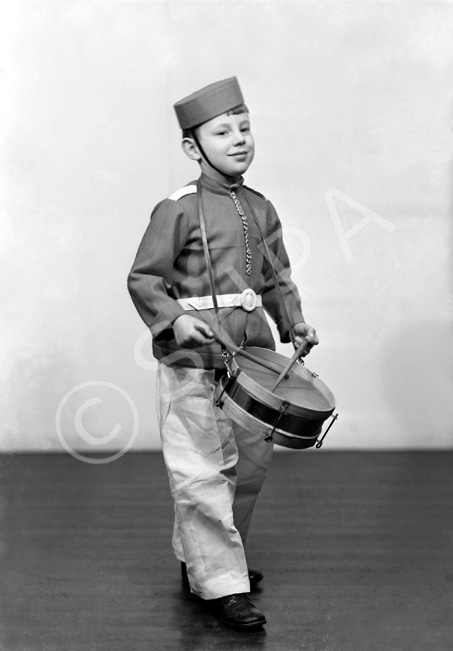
x: 190, y: 149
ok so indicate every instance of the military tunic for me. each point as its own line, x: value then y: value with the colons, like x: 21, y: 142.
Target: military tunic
x: 170, y: 264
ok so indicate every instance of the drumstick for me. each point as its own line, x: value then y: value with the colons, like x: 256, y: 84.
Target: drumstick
x: 240, y: 351
x: 291, y: 363
x: 257, y: 360
x: 252, y: 358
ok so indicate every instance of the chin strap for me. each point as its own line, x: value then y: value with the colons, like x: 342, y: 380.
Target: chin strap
x: 203, y: 153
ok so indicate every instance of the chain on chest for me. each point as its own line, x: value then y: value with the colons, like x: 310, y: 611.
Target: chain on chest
x: 245, y: 228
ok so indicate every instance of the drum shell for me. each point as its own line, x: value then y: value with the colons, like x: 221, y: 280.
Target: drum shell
x: 254, y: 407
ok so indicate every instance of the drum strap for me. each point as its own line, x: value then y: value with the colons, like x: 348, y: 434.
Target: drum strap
x: 207, y: 256
x: 268, y: 256
x: 204, y: 239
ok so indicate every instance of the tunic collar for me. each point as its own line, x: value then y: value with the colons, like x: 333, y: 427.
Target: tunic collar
x: 219, y: 187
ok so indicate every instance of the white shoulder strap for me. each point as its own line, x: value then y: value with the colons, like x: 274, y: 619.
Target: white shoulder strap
x: 182, y: 192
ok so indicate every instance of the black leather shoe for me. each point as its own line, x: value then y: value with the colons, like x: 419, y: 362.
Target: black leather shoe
x: 255, y: 576
x: 237, y: 611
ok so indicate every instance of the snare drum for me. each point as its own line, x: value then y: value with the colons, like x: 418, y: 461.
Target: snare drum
x: 292, y: 415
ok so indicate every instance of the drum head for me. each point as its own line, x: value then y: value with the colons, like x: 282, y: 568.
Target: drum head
x: 302, y: 388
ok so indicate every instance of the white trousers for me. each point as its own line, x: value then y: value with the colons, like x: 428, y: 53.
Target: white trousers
x: 216, y: 470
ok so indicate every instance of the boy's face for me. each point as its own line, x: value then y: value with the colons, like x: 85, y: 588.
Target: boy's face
x: 228, y: 143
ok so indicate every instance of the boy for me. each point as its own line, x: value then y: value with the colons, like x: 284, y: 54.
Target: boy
x: 202, y: 262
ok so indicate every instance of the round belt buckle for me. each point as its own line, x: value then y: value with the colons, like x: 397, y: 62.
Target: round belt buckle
x: 248, y: 300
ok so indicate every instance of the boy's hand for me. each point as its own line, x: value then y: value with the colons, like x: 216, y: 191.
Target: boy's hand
x: 305, y: 331
x: 191, y: 332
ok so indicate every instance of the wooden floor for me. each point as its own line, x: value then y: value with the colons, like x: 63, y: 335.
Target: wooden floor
x: 356, y: 549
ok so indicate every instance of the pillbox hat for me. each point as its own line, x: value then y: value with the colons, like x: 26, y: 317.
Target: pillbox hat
x: 208, y: 103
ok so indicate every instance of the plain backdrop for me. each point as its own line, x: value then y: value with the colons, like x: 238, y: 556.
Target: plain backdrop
x: 351, y: 110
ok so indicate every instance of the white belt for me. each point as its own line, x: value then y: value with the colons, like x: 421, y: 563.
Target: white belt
x: 248, y: 300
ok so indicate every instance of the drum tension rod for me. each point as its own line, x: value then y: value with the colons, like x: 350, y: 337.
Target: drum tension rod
x: 282, y: 409
x: 321, y: 440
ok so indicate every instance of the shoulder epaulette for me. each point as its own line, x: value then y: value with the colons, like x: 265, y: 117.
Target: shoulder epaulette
x: 182, y: 192
x: 246, y: 187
